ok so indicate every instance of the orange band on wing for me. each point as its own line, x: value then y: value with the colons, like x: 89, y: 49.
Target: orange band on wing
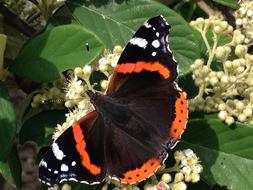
x: 181, y: 112
x: 142, y: 173
x: 143, y: 66
x: 81, y: 149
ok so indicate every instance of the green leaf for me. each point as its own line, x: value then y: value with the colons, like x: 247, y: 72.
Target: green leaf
x: 40, y: 127
x: 116, y: 21
x: 64, y: 47
x: 7, y: 122
x: 201, y: 185
x: 11, y: 169
x: 226, y: 153
x: 229, y: 3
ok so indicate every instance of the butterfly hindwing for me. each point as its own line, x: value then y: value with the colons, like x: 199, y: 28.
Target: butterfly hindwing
x: 77, y: 155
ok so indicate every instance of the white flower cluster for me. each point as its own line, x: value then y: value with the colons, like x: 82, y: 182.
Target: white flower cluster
x: 186, y: 169
x: 227, y: 90
x: 244, y: 19
x: 110, y: 59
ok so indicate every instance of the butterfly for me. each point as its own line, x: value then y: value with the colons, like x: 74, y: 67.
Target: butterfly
x: 134, y: 125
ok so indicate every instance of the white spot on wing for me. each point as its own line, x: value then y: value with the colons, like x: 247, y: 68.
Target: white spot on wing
x: 43, y: 163
x: 141, y: 42
x: 157, y: 34
x: 73, y: 163
x: 57, y: 152
x: 154, y: 53
x: 155, y: 43
x: 147, y: 25
x: 56, y: 172
x: 154, y: 29
x: 64, y: 168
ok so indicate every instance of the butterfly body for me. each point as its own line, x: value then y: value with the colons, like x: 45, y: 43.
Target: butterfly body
x: 136, y: 122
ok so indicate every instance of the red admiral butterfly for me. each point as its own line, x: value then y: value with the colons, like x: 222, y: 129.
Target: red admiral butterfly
x: 134, y: 125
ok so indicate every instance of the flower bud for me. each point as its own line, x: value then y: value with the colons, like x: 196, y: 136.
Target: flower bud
x: 179, y: 177
x: 195, y: 177
x: 103, y: 61
x: 242, y: 117
x: 68, y: 104
x: 166, y: 178
x: 179, y: 186
x: 220, y: 52
x: 217, y: 30
x: 103, y: 67
x: 228, y: 64
x: 214, y: 81
x: 188, y: 153
x: 66, y: 187
x: 187, y: 177
x: 78, y: 71
x: 87, y: 70
x: 104, y: 84
x: 222, y: 115
x: 239, y: 105
x: 229, y: 120
x: 224, y: 79
x: 179, y: 155
x: 247, y: 112
x: 117, y: 49
x: 241, y: 50
x: 148, y: 187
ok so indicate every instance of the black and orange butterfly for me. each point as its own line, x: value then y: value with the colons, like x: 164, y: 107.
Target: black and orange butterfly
x: 134, y: 125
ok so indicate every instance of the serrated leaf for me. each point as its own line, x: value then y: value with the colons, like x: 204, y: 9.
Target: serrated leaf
x: 64, y: 47
x: 229, y: 3
x: 7, y: 122
x: 40, y: 127
x: 226, y: 153
x: 116, y: 21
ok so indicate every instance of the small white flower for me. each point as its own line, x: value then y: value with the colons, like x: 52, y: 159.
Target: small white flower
x: 186, y: 170
x: 103, y: 61
x: 189, y: 153
x: 197, y: 169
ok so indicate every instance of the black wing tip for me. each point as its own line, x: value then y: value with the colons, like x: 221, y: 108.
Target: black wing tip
x: 159, y: 20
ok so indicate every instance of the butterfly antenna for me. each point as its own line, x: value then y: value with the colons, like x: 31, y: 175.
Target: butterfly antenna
x: 53, y: 101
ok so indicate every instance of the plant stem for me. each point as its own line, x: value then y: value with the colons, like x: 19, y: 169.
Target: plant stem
x: 205, y: 7
x: 203, y: 35
x: 154, y: 179
x: 215, y: 42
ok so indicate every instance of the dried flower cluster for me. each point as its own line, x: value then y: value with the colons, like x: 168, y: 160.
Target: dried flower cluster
x: 227, y: 88
x: 244, y: 20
